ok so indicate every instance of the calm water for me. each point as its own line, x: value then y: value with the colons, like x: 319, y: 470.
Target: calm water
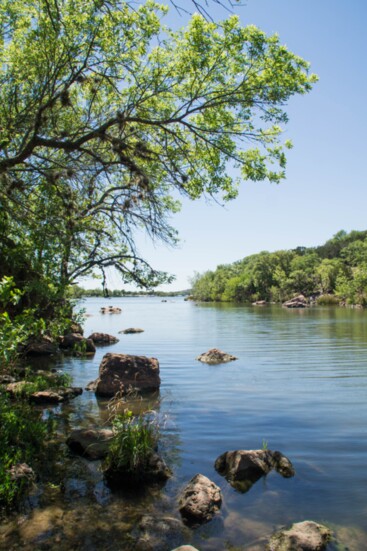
x: 299, y: 385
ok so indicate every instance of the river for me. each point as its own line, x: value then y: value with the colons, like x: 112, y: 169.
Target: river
x: 299, y: 386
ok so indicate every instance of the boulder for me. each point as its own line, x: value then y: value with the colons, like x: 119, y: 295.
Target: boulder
x: 55, y: 396
x: 185, y: 547
x: 242, y: 468
x: 156, y: 532
x: 215, y: 356
x: 110, y: 310
x: 302, y: 536
x: 200, y: 500
x: 77, y: 343
x: 125, y: 373
x: 296, y: 302
x: 132, y: 330
x: 22, y: 474
x: 103, y: 338
x: 75, y: 327
x: 6, y: 379
x: 90, y: 443
x: 155, y: 471
x: 43, y: 346
x: 259, y: 303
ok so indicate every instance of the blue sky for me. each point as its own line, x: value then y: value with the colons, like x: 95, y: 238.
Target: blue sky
x: 325, y: 189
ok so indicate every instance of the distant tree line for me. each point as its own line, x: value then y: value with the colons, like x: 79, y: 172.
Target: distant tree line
x: 77, y: 291
x: 331, y: 273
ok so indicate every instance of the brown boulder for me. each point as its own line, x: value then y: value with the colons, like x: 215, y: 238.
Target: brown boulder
x: 125, y: 373
x: 103, y: 338
x: 155, y: 471
x: 215, y: 356
x: 242, y: 468
x: 77, y: 343
x: 55, y: 396
x: 200, y: 500
x: 43, y: 346
x: 90, y: 443
x: 302, y: 536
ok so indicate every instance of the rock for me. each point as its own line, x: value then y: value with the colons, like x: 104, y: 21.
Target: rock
x: 200, y: 500
x: 155, y: 471
x: 259, y: 303
x: 160, y: 532
x: 77, y: 343
x: 125, y: 373
x: 215, y: 356
x: 90, y: 443
x: 55, y: 396
x: 76, y: 328
x: 103, y: 338
x: 6, y: 379
x: 91, y: 387
x: 302, y: 536
x: 185, y: 547
x: 43, y: 346
x: 132, y: 330
x: 21, y: 471
x: 110, y: 310
x: 15, y: 388
x: 242, y: 468
x: 296, y: 302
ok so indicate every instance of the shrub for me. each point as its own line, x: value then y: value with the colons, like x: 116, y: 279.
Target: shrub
x: 135, y: 440
x: 328, y: 300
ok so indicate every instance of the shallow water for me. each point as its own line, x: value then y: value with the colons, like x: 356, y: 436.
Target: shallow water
x: 299, y: 386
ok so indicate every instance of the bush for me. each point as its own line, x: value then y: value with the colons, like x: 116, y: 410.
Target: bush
x: 22, y: 438
x: 328, y: 300
x: 36, y: 382
x: 134, y: 442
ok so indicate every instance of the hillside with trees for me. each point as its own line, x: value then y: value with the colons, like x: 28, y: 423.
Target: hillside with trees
x: 331, y: 273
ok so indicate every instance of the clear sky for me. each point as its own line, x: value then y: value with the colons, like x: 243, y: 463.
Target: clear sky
x: 325, y: 189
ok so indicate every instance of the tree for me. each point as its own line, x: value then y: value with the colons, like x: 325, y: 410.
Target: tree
x: 106, y: 117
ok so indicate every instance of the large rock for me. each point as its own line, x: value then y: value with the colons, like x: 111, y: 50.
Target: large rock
x: 90, y: 443
x: 215, y: 356
x: 156, y: 532
x: 103, y: 338
x: 154, y: 472
x: 296, y: 302
x: 77, y: 343
x: 125, y: 373
x: 242, y: 468
x: 200, y: 500
x: 42, y: 346
x: 302, y: 536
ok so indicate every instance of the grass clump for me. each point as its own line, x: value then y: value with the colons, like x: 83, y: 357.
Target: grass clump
x: 328, y: 300
x: 37, y: 382
x: 134, y: 442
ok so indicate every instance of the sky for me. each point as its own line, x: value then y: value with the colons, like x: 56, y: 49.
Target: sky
x: 325, y: 188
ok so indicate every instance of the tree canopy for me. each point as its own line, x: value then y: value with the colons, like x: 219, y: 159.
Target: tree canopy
x: 333, y: 272
x: 107, y: 116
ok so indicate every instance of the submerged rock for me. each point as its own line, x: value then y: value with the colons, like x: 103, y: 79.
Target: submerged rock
x: 200, y: 500
x: 132, y: 330
x: 90, y: 443
x: 126, y: 373
x: 103, y: 338
x: 242, y: 468
x: 155, y: 471
x: 77, y: 343
x: 215, y: 356
x: 296, y: 302
x: 302, y: 536
x: 160, y: 532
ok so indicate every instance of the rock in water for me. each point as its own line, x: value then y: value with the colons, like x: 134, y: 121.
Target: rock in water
x: 125, y: 373
x: 302, y: 536
x: 242, y: 468
x: 90, y: 443
x: 200, y: 500
x: 296, y: 302
x: 103, y: 338
x: 215, y: 356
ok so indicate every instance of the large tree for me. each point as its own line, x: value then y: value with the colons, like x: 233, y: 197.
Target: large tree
x: 106, y: 116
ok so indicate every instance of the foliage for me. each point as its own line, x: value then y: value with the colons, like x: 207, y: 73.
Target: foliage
x: 280, y: 275
x: 134, y: 441
x: 111, y: 118
x: 22, y: 437
x: 36, y: 382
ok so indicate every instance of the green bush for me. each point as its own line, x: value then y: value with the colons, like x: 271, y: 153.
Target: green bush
x: 35, y: 382
x: 22, y: 439
x: 328, y: 300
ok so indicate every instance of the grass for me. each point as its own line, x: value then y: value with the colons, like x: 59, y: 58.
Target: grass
x: 39, y: 382
x: 135, y: 439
